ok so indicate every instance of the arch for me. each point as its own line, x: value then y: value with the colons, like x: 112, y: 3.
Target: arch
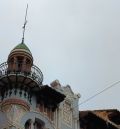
x: 37, y: 118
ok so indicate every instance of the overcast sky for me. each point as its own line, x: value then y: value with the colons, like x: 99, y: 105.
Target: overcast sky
x: 74, y: 41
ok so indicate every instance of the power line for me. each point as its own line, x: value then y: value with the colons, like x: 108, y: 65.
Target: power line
x: 93, y: 96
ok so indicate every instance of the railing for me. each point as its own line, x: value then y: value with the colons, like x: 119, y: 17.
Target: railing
x: 34, y: 72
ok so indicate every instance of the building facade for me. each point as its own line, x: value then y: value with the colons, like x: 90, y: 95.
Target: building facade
x: 26, y: 103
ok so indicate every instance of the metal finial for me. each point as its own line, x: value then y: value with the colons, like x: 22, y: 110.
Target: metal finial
x: 25, y: 24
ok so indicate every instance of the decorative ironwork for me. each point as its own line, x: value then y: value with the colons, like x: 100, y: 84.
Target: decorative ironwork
x: 34, y: 72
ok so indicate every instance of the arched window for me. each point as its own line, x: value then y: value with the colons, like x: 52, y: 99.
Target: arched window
x: 39, y: 124
x: 10, y: 64
x: 28, y: 124
x: 19, y: 63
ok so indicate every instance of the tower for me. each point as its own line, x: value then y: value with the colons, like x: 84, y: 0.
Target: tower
x: 25, y: 102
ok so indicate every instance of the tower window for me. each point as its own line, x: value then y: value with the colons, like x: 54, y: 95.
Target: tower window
x: 19, y: 63
x: 27, y: 61
x: 11, y: 60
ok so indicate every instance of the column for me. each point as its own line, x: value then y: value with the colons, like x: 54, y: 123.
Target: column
x: 24, y: 64
x: 15, y: 65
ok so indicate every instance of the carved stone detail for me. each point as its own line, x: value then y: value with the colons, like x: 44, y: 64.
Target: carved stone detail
x: 14, y: 110
x: 14, y: 113
x: 67, y: 113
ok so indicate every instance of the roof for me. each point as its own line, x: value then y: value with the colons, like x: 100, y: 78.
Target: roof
x: 23, y: 47
x: 49, y: 92
x: 109, y: 116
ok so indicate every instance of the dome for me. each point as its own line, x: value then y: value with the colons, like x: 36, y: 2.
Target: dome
x: 21, y: 50
x: 22, y: 46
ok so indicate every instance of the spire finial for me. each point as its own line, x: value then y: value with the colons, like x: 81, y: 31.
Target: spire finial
x: 24, y: 24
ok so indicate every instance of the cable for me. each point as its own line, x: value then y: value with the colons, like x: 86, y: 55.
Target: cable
x: 88, y: 99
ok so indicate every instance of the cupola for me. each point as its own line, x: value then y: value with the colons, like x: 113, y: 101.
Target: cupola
x: 20, y: 59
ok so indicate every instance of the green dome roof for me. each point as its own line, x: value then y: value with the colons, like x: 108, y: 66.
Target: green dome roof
x: 23, y: 47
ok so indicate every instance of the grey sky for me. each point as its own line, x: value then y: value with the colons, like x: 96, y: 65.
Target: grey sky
x: 74, y: 41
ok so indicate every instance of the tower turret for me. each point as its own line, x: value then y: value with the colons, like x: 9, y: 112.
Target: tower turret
x: 21, y: 91
x: 19, y: 73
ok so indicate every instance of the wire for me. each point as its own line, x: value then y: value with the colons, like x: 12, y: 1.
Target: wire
x: 107, y: 88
